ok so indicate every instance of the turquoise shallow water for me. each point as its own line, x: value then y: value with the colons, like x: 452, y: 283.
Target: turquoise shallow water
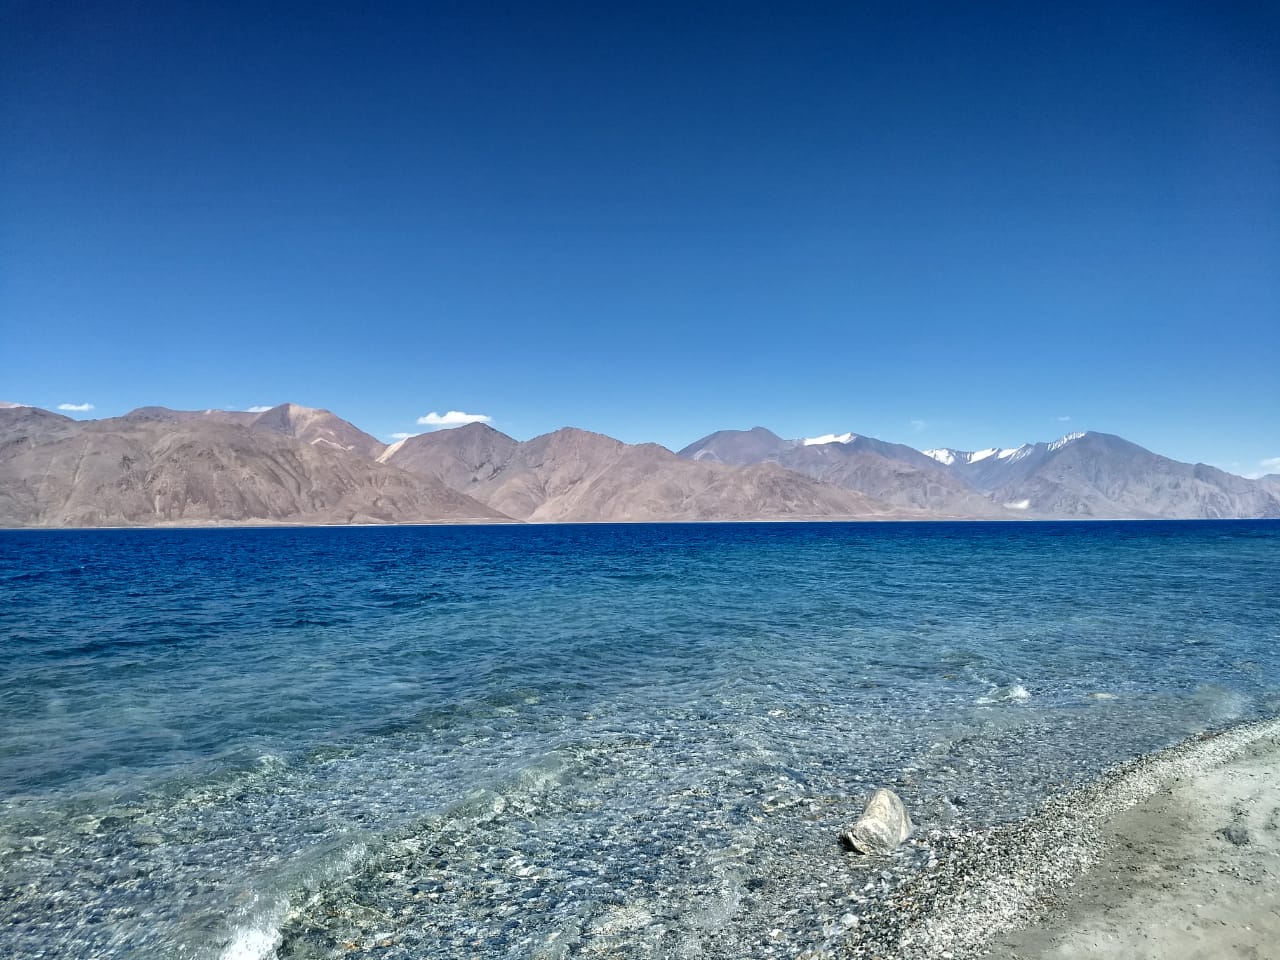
x: 569, y: 741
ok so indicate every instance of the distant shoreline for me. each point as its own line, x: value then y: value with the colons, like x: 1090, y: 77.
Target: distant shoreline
x: 287, y: 525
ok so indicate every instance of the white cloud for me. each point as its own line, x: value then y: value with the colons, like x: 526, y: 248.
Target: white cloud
x: 76, y: 407
x: 1063, y: 419
x: 918, y: 425
x: 257, y: 409
x: 6, y: 405
x: 454, y: 418
x: 403, y: 436
x: 1268, y: 465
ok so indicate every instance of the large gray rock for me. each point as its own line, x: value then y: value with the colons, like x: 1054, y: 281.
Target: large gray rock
x: 883, y: 825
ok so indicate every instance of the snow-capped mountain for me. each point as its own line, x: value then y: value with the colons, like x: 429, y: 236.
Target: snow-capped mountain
x: 1080, y: 475
x: 891, y: 472
x: 1101, y: 475
x: 985, y: 470
x: 949, y: 458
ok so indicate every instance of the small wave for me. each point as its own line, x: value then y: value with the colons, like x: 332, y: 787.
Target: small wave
x: 259, y: 932
x: 108, y: 644
x: 28, y: 576
x: 256, y: 941
x: 1013, y: 693
x: 1221, y: 703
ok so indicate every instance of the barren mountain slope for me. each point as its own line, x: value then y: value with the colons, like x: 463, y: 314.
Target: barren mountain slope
x: 141, y: 472
x: 1104, y: 476
x: 647, y: 482
x: 889, y: 472
x: 460, y: 457
x: 287, y: 419
x: 318, y: 427
x: 575, y: 475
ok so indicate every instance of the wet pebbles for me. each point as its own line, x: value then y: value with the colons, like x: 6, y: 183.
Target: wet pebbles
x: 992, y: 880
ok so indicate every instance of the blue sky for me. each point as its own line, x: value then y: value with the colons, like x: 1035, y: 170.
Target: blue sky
x: 941, y: 224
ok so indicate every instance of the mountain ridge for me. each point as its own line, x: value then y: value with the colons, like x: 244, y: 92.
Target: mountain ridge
x: 156, y: 470
x: 1081, y: 475
x: 575, y: 475
x: 309, y: 424
x: 894, y: 473
x: 296, y: 464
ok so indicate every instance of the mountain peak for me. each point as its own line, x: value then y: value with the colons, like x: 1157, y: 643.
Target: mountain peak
x: 317, y: 427
x: 289, y: 413
x: 737, y: 446
x: 475, y: 428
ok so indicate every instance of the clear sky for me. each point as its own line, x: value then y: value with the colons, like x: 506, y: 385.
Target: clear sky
x: 940, y: 224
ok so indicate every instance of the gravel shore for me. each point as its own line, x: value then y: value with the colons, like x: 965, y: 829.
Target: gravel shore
x: 1173, y: 855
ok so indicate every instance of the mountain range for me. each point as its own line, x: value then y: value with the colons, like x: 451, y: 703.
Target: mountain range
x: 294, y: 464
x: 574, y: 475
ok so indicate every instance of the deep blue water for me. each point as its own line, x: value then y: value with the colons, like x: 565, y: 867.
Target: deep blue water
x: 562, y: 741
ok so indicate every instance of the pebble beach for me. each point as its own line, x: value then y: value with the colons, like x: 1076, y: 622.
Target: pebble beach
x: 1173, y: 855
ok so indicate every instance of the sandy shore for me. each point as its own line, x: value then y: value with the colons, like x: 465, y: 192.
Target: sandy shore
x: 1191, y: 872
x: 1174, y: 855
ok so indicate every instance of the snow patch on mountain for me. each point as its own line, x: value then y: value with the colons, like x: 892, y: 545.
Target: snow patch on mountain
x: 1069, y: 438
x: 948, y: 457
x: 830, y: 438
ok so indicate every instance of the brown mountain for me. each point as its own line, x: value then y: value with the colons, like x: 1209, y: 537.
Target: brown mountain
x: 155, y: 469
x: 21, y: 425
x: 318, y: 427
x: 294, y: 464
x: 575, y: 475
x: 463, y: 458
x: 307, y: 424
